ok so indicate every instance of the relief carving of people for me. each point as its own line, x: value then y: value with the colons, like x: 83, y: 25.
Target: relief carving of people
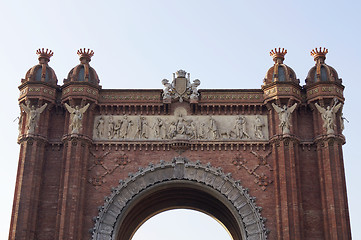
x: 125, y: 127
x: 117, y: 128
x: 212, y: 128
x: 328, y: 116
x: 100, y: 127
x: 180, y: 126
x: 284, y: 115
x: 258, y: 126
x: 193, y: 131
x: 240, y: 127
x: 172, y: 130
x: 110, y: 127
x: 33, y: 115
x: 202, y: 132
x: 159, y: 128
x: 76, y: 117
x: 141, y: 131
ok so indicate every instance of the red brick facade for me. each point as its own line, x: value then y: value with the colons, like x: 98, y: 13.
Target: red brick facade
x: 68, y: 167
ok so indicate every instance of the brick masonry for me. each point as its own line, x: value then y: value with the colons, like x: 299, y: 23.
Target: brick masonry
x: 297, y: 178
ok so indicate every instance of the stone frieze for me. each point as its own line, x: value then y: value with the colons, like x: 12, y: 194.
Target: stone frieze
x: 158, y: 128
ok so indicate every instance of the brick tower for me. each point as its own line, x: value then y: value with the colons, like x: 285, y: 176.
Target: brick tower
x: 96, y: 163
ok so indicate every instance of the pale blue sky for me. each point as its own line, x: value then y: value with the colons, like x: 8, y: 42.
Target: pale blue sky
x: 225, y: 44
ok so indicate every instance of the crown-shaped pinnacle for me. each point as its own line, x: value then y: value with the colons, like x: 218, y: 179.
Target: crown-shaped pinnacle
x: 44, y: 54
x: 85, y: 54
x: 319, y: 53
x: 278, y: 54
x: 181, y: 73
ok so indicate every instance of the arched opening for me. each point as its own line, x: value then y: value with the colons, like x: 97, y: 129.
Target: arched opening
x: 179, y: 184
x: 180, y: 224
x: 177, y: 194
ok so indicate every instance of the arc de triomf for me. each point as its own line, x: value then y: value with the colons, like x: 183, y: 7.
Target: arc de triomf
x: 96, y: 163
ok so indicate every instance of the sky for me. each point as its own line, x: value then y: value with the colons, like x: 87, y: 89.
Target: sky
x: 138, y: 43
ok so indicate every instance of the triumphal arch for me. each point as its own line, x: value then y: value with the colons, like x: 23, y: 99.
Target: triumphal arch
x: 96, y: 163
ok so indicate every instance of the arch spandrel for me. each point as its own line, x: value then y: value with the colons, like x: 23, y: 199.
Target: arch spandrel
x: 194, y: 177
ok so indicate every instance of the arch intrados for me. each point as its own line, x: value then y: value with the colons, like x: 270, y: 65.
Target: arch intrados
x: 178, y: 194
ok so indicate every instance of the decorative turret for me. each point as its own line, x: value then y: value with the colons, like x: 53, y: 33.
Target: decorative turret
x: 42, y: 72
x: 37, y: 89
x: 280, y: 81
x: 280, y: 72
x: 324, y: 92
x: 321, y: 72
x: 82, y: 83
x: 37, y: 97
x: 322, y: 81
x: 83, y: 72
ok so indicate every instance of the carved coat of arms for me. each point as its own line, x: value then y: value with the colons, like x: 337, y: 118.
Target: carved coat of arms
x: 180, y: 88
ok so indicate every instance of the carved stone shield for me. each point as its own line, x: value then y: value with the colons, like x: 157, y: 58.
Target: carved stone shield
x: 180, y: 85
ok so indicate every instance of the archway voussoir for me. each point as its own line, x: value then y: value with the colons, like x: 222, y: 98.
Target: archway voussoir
x: 226, y: 188
x: 105, y: 229
x: 218, y: 183
x: 201, y: 175
x: 209, y: 178
x: 245, y: 210
x: 190, y: 173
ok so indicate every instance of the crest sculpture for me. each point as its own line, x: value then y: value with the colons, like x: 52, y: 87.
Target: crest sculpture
x: 181, y: 88
x: 100, y: 162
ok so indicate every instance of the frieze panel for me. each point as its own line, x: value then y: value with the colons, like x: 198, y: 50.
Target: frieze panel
x: 233, y: 97
x: 180, y: 126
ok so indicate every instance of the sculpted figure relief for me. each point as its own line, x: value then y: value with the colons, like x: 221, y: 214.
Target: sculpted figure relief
x: 212, y: 128
x: 168, y: 88
x: 328, y: 116
x: 284, y: 115
x: 76, y: 117
x: 342, y: 122
x: 33, y: 115
x: 172, y: 131
x: 258, y: 126
x: 100, y: 127
x: 180, y: 126
x: 125, y: 127
x: 193, y: 131
x: 110, y: 127
x: 240, y: 128
x: 141, y: 131
x: 194, y: 85
x: 159, y: 128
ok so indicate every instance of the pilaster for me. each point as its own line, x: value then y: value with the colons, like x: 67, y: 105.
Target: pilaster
x: 333, y: 190
x: 26, y: 197
x: 71, y: 197
x: 288, y: 192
